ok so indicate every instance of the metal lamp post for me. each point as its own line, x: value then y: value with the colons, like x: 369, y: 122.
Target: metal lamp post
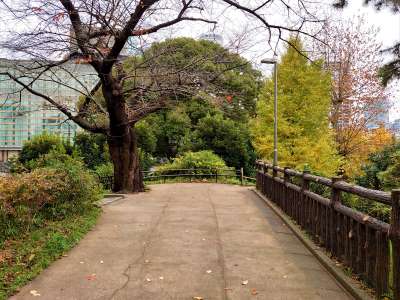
x: 274, y: 62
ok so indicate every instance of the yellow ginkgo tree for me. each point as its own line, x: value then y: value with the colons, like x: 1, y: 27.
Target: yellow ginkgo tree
x: 305, y: 139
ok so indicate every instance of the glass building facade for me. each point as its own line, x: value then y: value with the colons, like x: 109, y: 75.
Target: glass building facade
x: 24, y: 115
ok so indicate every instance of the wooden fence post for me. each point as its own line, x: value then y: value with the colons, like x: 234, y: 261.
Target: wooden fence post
x: 263, y: 188
x: 394, y: 234
x: 302, y: 207
x: 274, y: 172
x: 334, y: 222
x: 285, y: 200
x: 241, y: 176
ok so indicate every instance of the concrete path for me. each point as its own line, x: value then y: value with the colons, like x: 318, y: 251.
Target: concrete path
x: 182, y: 241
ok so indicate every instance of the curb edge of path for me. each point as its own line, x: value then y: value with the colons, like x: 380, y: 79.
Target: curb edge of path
x: 345, y: 281
x: 110, y: 198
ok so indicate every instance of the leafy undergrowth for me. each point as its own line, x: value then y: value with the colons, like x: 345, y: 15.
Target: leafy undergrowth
x: 24, y: 258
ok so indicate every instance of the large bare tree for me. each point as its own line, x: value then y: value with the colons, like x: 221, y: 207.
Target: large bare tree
x: 53, y: 33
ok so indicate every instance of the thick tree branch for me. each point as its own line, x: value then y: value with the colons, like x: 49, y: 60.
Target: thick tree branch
x: 153, y: 29
x: 82, y: 38
x: 89, y: 99
x: 126, y: 32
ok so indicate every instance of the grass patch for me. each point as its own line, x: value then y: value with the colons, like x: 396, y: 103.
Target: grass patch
x: 24, y: 258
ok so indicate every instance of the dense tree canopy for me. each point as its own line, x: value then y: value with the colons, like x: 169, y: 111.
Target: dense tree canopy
x: 168, y: 134
x: 213, y: 119
x: 304, y: 136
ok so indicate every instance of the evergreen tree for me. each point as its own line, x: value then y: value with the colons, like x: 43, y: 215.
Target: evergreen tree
x: 304, y: 137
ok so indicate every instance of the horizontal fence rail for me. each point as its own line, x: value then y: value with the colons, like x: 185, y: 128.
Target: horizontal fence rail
x: 194, y: 173
x: 366, y: 245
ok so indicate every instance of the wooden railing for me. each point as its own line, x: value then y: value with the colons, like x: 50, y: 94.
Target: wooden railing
x: 217, y: 174
x: 366, y: 245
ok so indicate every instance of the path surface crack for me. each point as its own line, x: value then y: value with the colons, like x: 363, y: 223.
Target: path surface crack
x: 146, y: 244
x: 220, y: 253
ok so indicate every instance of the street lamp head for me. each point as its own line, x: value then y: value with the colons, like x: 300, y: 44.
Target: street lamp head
x: 270, y: 61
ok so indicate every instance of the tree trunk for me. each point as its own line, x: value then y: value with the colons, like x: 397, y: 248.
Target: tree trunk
x: 124, y: 154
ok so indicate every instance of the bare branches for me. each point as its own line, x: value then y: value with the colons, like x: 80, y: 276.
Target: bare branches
x: 268, y: 26
x: 351, y: 53
x: 141, y: 32
x: 95, y: 32
x: 64, y: 109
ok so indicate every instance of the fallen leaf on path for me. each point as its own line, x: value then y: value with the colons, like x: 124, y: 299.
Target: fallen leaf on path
x: 65, y: 255
x: 285, y: 276
x: 198, y: 298
x: 244, y: 282
x: 146, y: 261
x: 208, y: 271
x: 148, y: 279
x: 254, y: 292
x: 81, y: 262
x: 35, y: 293
x: 102, y: 262
x: 228, y: 289
x: 203, y: 239
x: 91, y: 277
x: 5, y: 255
x: 161, y: 277
x: 31, y: 257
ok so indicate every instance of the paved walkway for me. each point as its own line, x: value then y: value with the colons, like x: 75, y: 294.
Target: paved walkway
x: 182, y: 241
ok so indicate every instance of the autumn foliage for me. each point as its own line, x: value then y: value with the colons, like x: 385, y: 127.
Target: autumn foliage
x: 366, y: 143
x: 358, y: 100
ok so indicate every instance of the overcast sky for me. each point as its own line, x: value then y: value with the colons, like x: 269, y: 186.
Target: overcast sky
x: 232, y: 23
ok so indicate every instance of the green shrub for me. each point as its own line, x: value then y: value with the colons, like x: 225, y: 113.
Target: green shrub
x: 390, y: 178
x: 58, y: 186
x: 93, y: 149
x: 205, y: 160
x: 40, y: 145
x: 105, y: 175
x: 146, y: 160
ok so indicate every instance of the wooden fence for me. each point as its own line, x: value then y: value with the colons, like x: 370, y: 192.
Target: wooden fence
x: 198, y: 173
x: 366, y: 245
